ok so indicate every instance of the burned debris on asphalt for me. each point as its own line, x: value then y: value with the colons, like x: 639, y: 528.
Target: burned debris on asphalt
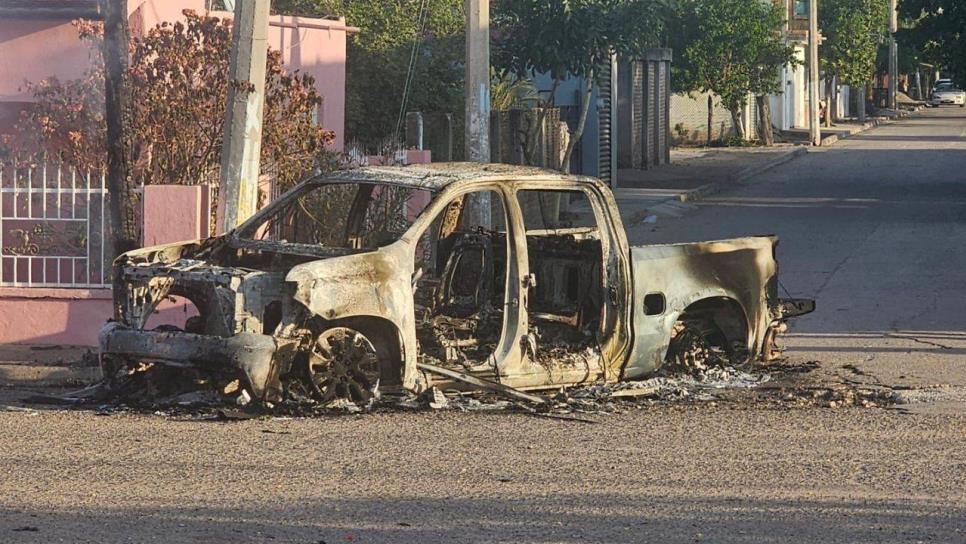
x: 158, y: 390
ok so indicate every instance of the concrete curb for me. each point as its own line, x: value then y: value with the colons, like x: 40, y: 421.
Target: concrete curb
x: 677, y: 205
x: 753, y: 171
x: 832, y: 139
x: 696, y: 194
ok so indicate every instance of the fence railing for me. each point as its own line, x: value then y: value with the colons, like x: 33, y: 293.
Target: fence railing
x: 53, y: 227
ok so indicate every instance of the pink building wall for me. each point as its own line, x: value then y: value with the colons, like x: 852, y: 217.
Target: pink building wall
x: 32, y: 50
x: 146, y: 14
x: 171, y: 213
x: 35, y: 49
x: 316, y: 47
x: 69, y: 317
x: 72, y: 317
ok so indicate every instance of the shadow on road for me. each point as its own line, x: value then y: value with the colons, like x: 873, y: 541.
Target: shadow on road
x: 520, y: 516
x: 910, y: 138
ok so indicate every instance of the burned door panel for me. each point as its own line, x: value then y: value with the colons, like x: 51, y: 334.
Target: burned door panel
x: 566, y: 295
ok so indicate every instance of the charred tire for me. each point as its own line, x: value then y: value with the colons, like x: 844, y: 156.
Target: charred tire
x: 691, y: 345
x: 343, y: 363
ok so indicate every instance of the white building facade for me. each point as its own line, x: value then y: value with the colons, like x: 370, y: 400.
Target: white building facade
x: 790, y: 108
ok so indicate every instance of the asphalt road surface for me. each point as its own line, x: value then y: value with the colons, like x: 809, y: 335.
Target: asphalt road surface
x: 874, y: 228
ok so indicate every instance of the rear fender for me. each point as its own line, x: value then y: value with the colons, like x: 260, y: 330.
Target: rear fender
x: 683, y: 274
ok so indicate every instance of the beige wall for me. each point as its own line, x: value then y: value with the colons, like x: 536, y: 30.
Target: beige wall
x: 689, y: 119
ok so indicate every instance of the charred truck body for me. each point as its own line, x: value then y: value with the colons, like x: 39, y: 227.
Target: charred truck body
x: 402, y: 276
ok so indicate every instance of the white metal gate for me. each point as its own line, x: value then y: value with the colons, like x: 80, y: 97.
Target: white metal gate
x: 53, y: 225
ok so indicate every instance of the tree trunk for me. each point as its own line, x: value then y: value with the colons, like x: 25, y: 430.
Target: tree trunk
x: 530, y: 143
x: 737, y: 122
x: 117, y: 95
x: 764, y: 121
x: 581, y: 123
x: 861, y: 100
x: 829, y: 89
x: 710, y: 117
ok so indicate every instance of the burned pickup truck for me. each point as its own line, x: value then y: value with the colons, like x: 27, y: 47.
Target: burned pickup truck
x: 410, y: 277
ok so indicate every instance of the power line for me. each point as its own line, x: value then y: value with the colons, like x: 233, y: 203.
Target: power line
x: 411, y: 69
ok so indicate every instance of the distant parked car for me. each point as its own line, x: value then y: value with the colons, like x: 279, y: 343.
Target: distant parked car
x: 948, y: 96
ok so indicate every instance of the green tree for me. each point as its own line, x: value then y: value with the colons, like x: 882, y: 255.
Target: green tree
x: 509, y: 91
x: 852, y: 30
x: 408, y: 56
x: 732, y: 48
x: 937, y: 29
x: 565, y: 38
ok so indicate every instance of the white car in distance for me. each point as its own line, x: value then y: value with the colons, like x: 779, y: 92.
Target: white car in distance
x: 948, y: 95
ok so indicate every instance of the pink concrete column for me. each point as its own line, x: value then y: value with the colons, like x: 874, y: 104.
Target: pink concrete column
x: 408, y: 156
x: 417, y: 156
x: 173, y: 213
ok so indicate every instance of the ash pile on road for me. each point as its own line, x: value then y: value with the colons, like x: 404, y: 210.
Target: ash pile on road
x: 168, y: 391
x: 691, y: 375
x: 667, y: 387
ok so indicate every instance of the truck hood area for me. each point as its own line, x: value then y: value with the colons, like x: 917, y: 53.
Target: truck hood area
x: 235, y: 307
x: 232, y: 285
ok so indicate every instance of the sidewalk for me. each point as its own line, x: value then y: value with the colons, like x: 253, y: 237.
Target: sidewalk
x: 845, y: 128
x: 666, y: 191
x: 691, y: 175
x: 46, y: 366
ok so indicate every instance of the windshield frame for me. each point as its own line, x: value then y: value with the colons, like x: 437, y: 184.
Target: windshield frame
x: 240, y: 235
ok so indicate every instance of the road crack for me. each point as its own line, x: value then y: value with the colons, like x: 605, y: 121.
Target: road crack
x: 919, y: 340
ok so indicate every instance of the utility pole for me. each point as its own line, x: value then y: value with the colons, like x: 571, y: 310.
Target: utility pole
x: 477, y: 80
x: 238, y: 193
x: 116, y: 97
x: 814, y: 130
x: 477, y: 89
x: 893, y: 55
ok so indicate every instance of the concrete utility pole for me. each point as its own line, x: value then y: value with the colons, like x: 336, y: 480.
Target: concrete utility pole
x: 477, y: 85
x: 814, y: 130
x: 893, y: 55
x: 477, y: 89
x: 238, y: 193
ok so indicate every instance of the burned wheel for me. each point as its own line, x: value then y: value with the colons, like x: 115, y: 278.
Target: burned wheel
x: 343, y: 364
x: 689, y: 348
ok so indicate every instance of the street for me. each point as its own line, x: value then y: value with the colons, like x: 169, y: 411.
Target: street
x: 872, y: 228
